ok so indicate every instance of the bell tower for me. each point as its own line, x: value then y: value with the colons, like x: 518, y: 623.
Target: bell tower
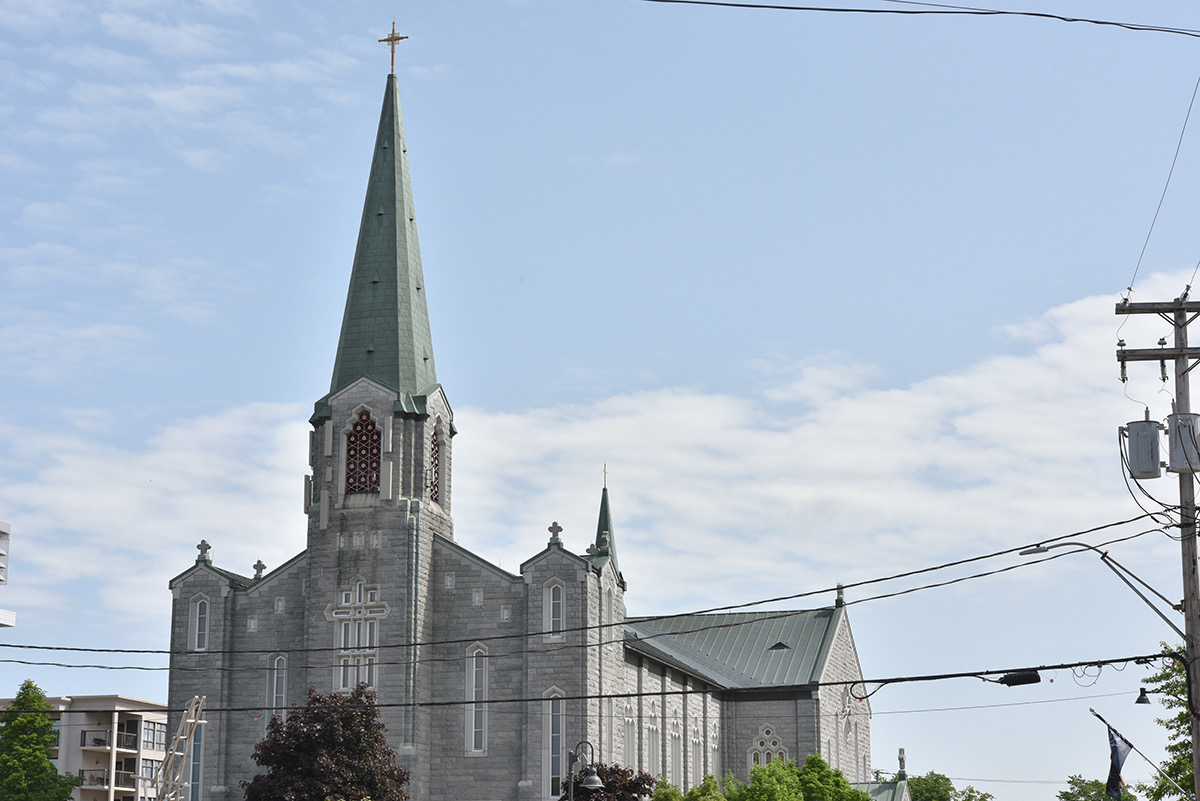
x: 380, y: 451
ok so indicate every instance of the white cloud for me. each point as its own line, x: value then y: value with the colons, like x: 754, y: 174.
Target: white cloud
x: 115, y: 523
x: 758, y: 496
x: 188, y: 39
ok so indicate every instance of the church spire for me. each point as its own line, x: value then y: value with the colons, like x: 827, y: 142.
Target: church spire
x: 385, y: 329
x: 606, y: 545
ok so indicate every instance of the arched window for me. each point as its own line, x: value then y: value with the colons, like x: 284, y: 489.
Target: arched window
x: 363, y: 452
x: 553, y: 614
x: 676, y: 767
x: 435, y: 466
x: 200, y: 625
x: 554, y: 751
x: 279, y: 683
x: 477, y: 683
x: 653, y: 742
x: 631, y: 743
x: 195, y: 790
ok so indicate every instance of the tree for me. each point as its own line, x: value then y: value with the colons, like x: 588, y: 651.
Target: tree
x: 936, y: 787
x: 1079, y: 789
x: 333, y: 747
x: 781, y: 780
x: 1170, y: 688
x: 26, y: 772
x: 620, y: 784
x: 931, y: 787
x: 969, y: 793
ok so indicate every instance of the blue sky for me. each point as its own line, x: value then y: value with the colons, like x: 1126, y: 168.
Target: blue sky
x: 831, y: 295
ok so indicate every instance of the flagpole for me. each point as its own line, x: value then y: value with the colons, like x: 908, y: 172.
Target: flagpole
x: 1139, y: 753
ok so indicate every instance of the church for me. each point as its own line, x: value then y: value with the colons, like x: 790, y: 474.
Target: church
x: 486, y: 679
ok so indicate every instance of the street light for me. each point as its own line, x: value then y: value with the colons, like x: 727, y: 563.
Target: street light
x: 1122, y: 572
x: 592, y: 780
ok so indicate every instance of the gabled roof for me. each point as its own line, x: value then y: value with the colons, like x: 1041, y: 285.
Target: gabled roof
x: 385, y: 328
x: 885, y: 791
x: 444, y: 541
x: 741, y: 650
x: 236, y: 581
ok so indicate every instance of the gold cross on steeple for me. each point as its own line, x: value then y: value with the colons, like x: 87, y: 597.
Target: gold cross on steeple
x: 391, y: 40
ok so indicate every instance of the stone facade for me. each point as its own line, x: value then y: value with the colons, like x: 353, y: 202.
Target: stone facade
x: 486, y: 679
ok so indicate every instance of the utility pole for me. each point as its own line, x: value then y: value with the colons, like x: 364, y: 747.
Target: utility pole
x: 1179, y: 313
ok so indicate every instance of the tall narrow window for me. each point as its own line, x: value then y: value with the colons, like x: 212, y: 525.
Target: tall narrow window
x: 554, y: 744
x: 676, y: 766
x: 196, y: 771
x: 553, y: 612
x: 279, y: 682
x: 476, y: 721
x: 435, y: 467
x: 631, y: 750
x: 363, y: 451
x: 357, y: 635
x: 653, y: 743
x: 201, y: 636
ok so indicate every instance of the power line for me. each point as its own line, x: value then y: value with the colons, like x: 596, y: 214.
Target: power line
x: 654, y: 618
x: 686, y: 691
x: 944, y: 11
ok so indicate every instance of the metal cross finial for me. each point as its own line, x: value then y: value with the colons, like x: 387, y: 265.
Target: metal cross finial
x: 391, y: 40
x: 605, y: 475
x: 555, y: 529
x: 204, y: 548
x: 259, y: 567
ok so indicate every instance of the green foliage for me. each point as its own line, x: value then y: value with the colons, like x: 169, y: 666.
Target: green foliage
x: 969, y: 793
x: 931, y: 787
x: 331, y: 748
x: 620, y: 784
x: 936, y: 787
x: 1169, y: 687
x: 665, y: 791
x: 26, y: 772
x: 779, y: 780
x: 709, y: 789
x: 1080, y: 789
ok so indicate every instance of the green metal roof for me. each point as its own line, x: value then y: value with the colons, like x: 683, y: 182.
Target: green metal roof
x: 604, y: 549
x: 741, y: 650
x: 884, y: 791
x: 385, y: 329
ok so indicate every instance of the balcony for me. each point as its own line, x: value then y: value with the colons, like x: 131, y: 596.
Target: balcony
x: 100, y: 738
x: 99, y: 779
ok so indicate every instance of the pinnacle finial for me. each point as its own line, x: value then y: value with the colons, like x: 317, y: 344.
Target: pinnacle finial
x: 391, y: 41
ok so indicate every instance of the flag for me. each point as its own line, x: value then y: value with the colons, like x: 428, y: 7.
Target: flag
x: 1119, y: 748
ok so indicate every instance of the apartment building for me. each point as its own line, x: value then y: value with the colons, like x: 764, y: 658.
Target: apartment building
x: 115, y: 743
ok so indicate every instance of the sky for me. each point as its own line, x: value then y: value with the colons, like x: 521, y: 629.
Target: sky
x: 830, y: 294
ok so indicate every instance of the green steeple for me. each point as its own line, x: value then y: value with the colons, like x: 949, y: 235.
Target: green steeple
x: 606, y: 545
x: 385, y: 329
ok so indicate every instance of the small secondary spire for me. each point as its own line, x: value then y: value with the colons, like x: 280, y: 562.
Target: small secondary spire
x: 391, y: 41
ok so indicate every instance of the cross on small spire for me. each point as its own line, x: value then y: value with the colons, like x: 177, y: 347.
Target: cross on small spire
x: 555, y: 529
x: 391, y: 41
x: 605, y: 475
x: 259, y: 567
x: 204, y: 548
